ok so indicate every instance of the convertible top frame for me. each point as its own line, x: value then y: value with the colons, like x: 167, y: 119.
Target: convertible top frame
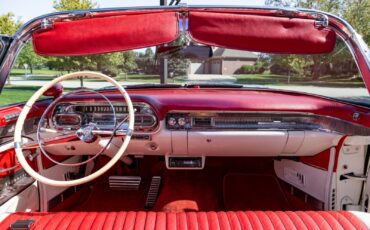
x: 354, y: 41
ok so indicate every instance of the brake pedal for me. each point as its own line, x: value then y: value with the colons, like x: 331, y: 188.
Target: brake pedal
x: 124, y: 182
x: 153, y: 192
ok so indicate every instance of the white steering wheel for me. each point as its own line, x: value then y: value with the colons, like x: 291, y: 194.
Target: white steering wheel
x: 23, y: 115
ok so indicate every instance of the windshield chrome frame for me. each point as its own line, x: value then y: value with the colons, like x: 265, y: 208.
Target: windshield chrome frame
x: 354, y: 41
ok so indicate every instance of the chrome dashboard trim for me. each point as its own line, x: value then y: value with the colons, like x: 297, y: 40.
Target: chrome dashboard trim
x: 325, y: 123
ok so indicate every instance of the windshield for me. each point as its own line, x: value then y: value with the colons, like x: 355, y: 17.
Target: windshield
x: 332, y: 75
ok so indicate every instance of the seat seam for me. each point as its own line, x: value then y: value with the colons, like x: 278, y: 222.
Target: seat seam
x: 268, y: 217
x: 134, y: 227
x: 115, y: 218
x: 299, y: 217
x: 240, y: 223
x: 338, y: 221
x: 284, y: 224
x: 105, y: 218
x: 124, y: 221
x: 206, y: 220
x: 85, y: 214
x: 51, y: 217
x: 297, y: 213
x: 146, y: 217
x: 247, y: 218
x: 61, y: 219
x: 228, y: 220
x: 273, y: 213
x: 75, y: 214
x: 318, y: 216
x: 155, y: 221
x: 255, y: 214
x: 318, y: 226
x: 196, y: 217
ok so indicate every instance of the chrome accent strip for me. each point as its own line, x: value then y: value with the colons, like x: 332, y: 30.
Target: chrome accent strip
x: 2, y: 170
x: 319, y: 122
x: 46, y: 24
x: 17, y: 145
x: 129, y: 132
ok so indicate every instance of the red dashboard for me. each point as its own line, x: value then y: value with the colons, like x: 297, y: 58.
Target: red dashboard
x: 193, y: 99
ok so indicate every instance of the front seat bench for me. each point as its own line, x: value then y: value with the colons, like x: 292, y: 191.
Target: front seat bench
x: 193, y: 220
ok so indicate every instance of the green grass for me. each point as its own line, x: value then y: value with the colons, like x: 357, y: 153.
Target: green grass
x: 270, y: 79
x: 15, y: 94
x: 35, y: 72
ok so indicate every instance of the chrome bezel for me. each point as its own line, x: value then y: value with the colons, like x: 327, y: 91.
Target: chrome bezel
x: 70, y: 105
x: 58, y: 126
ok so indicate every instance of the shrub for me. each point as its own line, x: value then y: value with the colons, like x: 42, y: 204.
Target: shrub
x: 280, y: 69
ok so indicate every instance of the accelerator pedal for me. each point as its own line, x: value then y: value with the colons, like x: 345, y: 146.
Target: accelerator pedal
x: 124, y: 182
x: 153, y: 192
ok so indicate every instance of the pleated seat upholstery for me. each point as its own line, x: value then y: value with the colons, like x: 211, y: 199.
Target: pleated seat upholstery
x: 190, y: 220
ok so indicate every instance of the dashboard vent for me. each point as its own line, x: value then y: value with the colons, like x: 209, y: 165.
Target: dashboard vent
x: 145, y: 121
x: 202, y: 122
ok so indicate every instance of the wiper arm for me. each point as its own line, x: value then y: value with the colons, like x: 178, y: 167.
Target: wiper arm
x: 152, y: 85
x: 212, y: 85
x: 144, y: 86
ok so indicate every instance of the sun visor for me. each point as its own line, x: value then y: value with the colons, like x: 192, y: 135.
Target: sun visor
x: 99, y: 35
x: 261, y: 33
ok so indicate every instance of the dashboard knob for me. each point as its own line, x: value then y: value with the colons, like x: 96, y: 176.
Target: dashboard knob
x: 171, y: 121
x: 181, y: 121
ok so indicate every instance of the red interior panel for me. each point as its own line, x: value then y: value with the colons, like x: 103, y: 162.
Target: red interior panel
x: 260, y: 33
x: 106, y: 34
x: 321, y: 160
x: 7, y: 160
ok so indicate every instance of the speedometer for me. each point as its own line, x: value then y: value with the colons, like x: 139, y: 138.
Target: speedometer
x: 70, y: 120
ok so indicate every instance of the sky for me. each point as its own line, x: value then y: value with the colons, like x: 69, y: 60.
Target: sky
x: 25, y: 10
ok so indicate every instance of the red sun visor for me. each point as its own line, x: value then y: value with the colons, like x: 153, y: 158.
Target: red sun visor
x: 106, y: 34
x: 260, y: 33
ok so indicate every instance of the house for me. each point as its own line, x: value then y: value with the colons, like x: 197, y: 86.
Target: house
x: 223, y: 62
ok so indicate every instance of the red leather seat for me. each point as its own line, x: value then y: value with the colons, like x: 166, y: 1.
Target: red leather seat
x: 190, y: 220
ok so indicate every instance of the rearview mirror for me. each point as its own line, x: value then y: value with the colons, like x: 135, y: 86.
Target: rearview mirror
x: 55, y: 91
x: 190, y: 51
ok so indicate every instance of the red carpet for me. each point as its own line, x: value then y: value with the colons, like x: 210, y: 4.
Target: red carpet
x: 254, y: 192
x: 224, y: 184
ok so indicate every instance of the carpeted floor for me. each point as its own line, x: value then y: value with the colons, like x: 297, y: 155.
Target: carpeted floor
x: 254, y: 192
x: 224, y: 184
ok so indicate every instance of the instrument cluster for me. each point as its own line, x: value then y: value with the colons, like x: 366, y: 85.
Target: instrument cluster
x: 73, y: 115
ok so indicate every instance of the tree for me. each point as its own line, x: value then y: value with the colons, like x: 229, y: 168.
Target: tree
x: 286, y: 3
x: 357, y: 13
x: 149, y: 53
x: 146, y: 61
x: 28, y: 56
x: 62, y: 5
x: 178, y: 66
x: 8, y: 25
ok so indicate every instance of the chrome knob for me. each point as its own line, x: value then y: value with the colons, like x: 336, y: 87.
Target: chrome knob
x: 181, y: 121
x: 171, y: 121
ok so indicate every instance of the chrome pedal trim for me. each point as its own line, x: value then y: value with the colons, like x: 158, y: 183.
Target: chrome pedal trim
x: 153, y: 192
x: 124, y: 182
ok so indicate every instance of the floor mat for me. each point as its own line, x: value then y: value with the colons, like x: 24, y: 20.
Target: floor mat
x: 254, y: 192
x: 102, y: 199
x: 190, y: 191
